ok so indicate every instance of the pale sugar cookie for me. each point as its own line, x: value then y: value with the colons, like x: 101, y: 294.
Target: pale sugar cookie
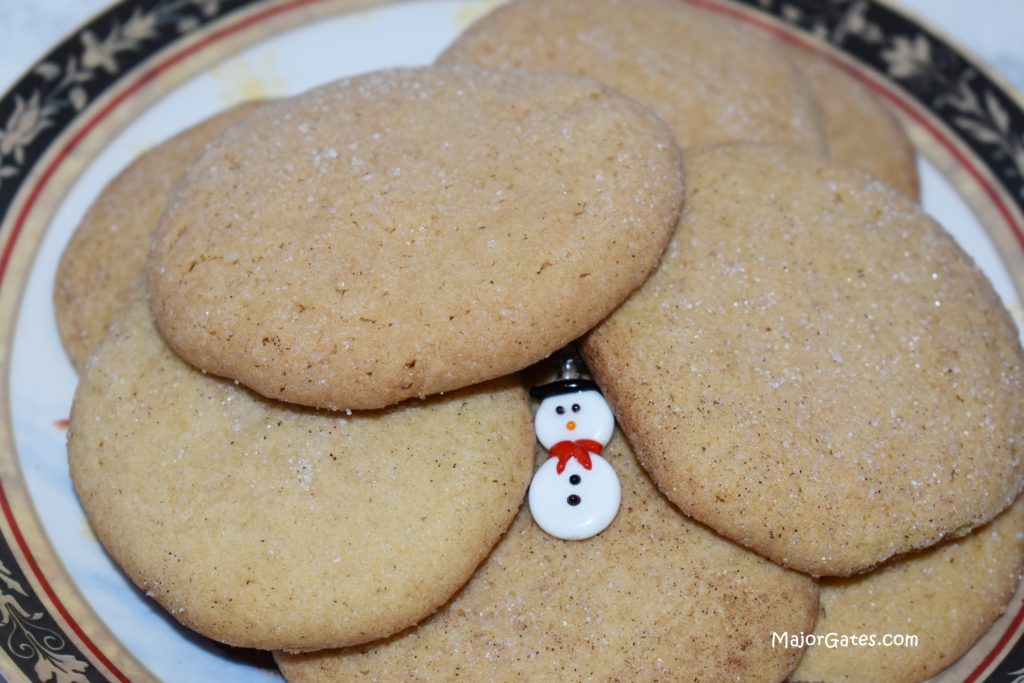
x: 412, y: 231
x: 816, y: 370
x: 654, y: 597
x: 265, y: 525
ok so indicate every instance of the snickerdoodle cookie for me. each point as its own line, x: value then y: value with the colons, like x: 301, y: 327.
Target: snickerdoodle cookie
x: 412, y: 231
x: 859, y: 128
x: 261, y: 524
x: 104, y: 259
x: 711, y: 79
x: 816, y: 369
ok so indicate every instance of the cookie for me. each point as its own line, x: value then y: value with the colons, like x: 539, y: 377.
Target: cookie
x: 816, y: 370
x: 412, y: 231
x: 655, y: 596
x: 102, y: 262
x: 710, y: 79
x: 946, y: 596
x: 859, y: 128
x: 263, y: 525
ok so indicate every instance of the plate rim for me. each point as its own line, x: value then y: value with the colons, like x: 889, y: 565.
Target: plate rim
x: 109, y: 68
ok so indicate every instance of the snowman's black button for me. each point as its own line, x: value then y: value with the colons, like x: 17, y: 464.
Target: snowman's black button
x: 575, y: 479
x: 573, y: 500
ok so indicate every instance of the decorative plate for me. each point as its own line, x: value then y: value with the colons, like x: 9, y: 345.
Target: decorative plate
x: 145, y: 69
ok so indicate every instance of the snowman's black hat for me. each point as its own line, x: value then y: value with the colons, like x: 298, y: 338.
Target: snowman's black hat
x: 563, y: 386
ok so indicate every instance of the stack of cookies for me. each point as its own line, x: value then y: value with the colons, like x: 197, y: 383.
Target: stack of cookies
x: 305, y: 427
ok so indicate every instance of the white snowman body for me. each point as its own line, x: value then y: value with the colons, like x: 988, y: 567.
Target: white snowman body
x: 578, y: 502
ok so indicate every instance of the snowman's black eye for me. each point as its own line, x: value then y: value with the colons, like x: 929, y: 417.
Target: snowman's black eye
x: 560, y: 410
x: 574, y: 479
x: 573, y: 500
x: 575, y: 407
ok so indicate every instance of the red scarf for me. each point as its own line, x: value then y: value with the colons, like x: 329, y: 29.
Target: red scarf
x: 579, y: 449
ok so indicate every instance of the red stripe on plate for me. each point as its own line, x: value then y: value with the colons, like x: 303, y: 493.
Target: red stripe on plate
x: 146, y: 77
x: 990, y: 657
x: 5, y: 504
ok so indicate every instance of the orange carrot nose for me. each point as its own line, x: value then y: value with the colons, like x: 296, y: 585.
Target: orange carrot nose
x: 570, y: 425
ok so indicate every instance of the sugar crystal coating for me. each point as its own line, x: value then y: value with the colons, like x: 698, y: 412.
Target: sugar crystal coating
x: 411, y: 231
x: 816, y: 370
x: 105, y: 257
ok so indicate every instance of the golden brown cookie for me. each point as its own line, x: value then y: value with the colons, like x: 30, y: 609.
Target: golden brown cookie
x: 816, y: 370
x: 264, y: 525
x: 946, y: 596
x: 412, y: 231
x: 655, y: 596
x: 710, y: 79
x: 107, y: 252
x: 859, y: 128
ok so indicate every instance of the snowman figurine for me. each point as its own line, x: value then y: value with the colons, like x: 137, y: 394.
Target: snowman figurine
x: 575, y: 494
